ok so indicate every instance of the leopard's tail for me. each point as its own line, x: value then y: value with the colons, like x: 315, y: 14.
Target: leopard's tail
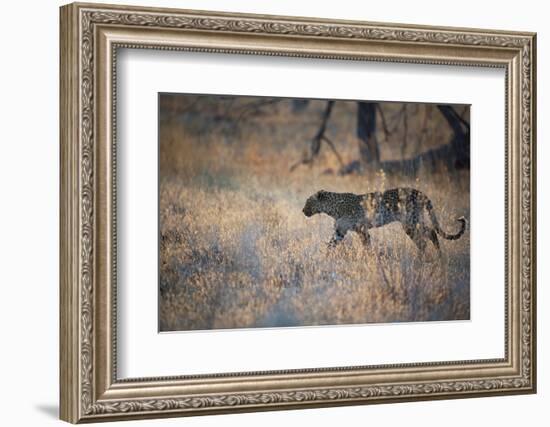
x: 437, y: 227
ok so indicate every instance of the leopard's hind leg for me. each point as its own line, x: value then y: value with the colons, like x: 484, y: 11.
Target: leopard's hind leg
x: 363, y: 231
x: 417, y: 236
x: 432, y: 235
x: 420, y: 236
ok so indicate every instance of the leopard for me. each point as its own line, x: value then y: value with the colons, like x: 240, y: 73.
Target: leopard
x: 361, y: 212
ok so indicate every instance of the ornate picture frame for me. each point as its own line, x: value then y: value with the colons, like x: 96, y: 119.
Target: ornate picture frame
x: 90, y: 37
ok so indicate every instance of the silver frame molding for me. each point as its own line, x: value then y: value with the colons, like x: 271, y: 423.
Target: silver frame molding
x: 90, y: 37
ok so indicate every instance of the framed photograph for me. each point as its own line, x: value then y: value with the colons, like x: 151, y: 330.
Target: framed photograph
x: 264, y: 212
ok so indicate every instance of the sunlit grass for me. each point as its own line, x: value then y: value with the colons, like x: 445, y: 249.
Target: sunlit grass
x: 237, y: 252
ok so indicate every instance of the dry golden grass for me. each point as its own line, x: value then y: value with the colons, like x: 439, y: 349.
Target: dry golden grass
x: 237, y: 252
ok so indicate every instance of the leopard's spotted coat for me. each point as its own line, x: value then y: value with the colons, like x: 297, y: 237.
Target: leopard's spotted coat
x: 361, y: 212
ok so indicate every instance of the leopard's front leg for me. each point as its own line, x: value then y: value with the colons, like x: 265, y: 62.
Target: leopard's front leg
x: 336, y: 238
x: 341, y: 227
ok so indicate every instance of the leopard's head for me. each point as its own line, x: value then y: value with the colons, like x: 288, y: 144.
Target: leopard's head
x: 317, y: 203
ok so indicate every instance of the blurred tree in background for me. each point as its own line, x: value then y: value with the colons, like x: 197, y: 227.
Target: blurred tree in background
x: 454, y: 154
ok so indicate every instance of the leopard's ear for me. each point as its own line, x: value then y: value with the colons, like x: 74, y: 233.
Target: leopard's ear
x: 321, y: 194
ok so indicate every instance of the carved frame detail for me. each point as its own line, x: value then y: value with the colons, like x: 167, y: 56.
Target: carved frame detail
x: 80, y: 398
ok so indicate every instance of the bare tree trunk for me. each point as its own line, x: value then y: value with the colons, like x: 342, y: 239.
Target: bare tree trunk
x: 460, y: 142
x: 366, y: 132
x: 455, y: 154
x: 321, y: 132
x: 319, y: 137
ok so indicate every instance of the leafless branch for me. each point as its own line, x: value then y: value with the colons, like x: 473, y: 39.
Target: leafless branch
x: 315, y: 145
x: 254, y: 107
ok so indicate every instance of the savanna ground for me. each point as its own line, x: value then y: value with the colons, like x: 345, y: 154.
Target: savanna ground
x: 236, y: 250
